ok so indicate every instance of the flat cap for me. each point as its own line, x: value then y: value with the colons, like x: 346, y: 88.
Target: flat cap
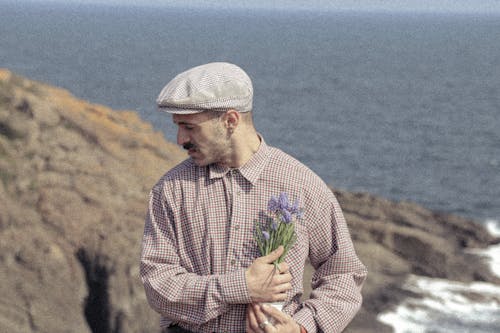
x: 215, y: 86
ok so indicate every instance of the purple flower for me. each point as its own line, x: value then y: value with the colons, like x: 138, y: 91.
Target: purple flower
x: 284, y: 204
x: 294, y: 209
x: 273, y: 204
x: 287, y: 216
x: 279, y: 229
x: 281, y: 203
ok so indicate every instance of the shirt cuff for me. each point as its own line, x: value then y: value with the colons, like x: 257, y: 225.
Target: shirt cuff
x: 234, y: 288
x: 305, y: 318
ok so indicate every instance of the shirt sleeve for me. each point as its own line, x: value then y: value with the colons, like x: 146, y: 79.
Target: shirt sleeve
x: 171, y: 290
x: 339, y: 274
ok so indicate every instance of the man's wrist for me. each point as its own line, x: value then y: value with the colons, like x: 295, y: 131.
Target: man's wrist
x: 302, y: 329
x: 234, y: 289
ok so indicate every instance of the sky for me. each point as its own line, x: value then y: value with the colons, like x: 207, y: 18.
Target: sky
x: 456, y: 6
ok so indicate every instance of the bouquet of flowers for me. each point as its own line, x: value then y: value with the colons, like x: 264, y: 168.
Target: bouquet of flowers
x: 279, y: 228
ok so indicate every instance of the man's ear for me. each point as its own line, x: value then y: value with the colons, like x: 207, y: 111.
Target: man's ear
x: 232, y: 119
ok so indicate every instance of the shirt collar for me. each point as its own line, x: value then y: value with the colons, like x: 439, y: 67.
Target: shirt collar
x: 251, y: 170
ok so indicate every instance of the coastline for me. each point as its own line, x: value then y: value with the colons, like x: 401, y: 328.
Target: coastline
x: 437, y: 305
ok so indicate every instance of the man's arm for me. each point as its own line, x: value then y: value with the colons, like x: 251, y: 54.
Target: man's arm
x: 182, y: 296
x: 337, y: 281
x: 336, y: 295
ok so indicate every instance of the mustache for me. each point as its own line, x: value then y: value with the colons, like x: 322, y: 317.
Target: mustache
x: 188, y: 145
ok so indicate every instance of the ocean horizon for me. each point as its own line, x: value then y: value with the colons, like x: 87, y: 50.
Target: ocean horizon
x: 403, y: 106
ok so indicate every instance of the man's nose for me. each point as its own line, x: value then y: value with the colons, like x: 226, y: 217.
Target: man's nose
x: 182, y: 138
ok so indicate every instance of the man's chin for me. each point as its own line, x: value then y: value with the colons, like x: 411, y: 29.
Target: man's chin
x: 199, y: 161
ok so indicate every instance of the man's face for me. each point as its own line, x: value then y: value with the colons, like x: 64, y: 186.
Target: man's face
x: 204, y: 137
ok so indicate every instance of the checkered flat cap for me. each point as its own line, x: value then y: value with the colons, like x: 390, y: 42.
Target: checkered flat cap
x: 216, y: 86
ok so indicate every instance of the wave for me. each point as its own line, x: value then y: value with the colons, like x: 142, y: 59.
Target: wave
x: 442, y: 306
x: 493, y: 227
x: 492, y: 253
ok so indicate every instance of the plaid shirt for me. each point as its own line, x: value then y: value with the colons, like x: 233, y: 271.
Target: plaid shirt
x: 198, y: 241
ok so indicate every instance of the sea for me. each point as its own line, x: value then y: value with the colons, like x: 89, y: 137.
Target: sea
x: 401, y: 105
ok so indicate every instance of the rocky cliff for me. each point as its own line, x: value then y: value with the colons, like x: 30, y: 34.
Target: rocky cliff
x: 74, y: 183
x: 396, y: 239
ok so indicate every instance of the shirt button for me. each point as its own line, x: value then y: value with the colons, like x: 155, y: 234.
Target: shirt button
x: 239, y: 192
x: 237, y: 227
x: 233, y: 262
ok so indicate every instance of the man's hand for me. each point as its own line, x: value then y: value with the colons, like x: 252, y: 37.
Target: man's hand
x: 264, y: 318
x: 266, y: 283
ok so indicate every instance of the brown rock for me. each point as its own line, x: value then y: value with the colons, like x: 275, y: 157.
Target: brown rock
x: 395, y: 240
x: 74, y: 181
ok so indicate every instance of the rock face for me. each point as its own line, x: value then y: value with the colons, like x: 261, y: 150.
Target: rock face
x: 397, y: 239
x: 74, y: 183
x: 74, y: 187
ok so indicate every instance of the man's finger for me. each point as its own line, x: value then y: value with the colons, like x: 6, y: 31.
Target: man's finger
x: 282, y: 288
x: 264, y: 322
x: 283, y: 278
x: 252, y: 323
x: 273, y: 256
x: 283, y: 268
x: 270, y: 311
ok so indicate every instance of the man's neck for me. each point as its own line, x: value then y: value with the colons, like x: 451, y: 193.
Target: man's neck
x: 244, y: 147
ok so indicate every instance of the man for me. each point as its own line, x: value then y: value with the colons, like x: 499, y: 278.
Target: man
x: 200, y: 265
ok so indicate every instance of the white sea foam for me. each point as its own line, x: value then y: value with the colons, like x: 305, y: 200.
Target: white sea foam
x: 492, y: 253
x: 493, y: 227
x: 446, y: 306
x: 443, y: 306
